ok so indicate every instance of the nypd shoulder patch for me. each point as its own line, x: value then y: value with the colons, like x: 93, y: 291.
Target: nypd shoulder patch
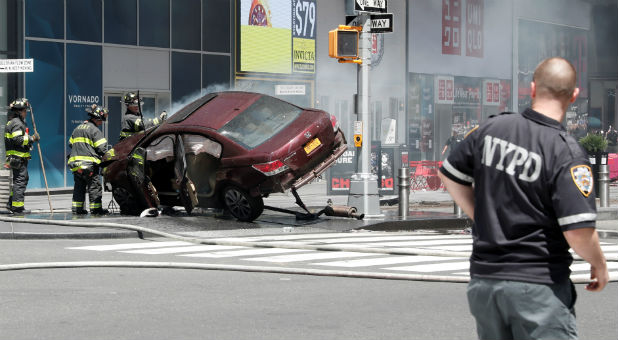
x: 582, y: 176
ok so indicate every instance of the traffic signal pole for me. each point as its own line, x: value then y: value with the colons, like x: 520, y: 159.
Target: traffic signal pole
x: 364, y: 185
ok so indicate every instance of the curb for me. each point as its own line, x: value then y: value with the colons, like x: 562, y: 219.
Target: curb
x: 58, y: 236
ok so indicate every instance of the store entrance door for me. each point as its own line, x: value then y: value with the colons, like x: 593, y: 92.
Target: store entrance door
x: 152, y: 105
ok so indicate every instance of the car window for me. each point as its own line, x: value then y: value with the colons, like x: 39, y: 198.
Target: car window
x: 195, y: 144
x: 260, y: 121
x: 161, y: 148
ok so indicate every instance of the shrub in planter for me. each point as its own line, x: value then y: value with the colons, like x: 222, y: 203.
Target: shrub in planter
x: 594, y: 143
x: 596, y: 146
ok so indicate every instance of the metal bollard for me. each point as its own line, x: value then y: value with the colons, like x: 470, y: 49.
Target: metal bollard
x: 457, y: 210
x: 404, y: 191
x: 604, y: 185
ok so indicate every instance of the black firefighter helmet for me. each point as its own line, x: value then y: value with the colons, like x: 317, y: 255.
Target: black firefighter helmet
x: 97, y: 112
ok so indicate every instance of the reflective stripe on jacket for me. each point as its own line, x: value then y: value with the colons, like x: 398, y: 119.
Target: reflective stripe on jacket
x: 16, y: 141
x: 88, y: 145
x: 132, y: 124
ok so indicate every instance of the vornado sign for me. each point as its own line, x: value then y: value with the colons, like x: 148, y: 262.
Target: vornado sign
x: 77, y: 99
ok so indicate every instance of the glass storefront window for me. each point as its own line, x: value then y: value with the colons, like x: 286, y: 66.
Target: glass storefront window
x: 84, y: 20
x: 185, y: 79
x: 186, y: 22
x: 45, y: 91
x: 215, y: 71
x: 154, y: 23
x: 45, y: 19
x: 121, y: 22
x: 216, y: 27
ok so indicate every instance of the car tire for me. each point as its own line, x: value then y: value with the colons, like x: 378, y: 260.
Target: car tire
x: 128, y: 204
x: 241, y: 205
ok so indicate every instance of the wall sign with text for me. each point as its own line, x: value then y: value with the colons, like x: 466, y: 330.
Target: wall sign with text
x: 462, y: 24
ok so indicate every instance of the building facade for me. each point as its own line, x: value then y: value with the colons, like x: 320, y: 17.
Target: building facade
x: 447, y: 65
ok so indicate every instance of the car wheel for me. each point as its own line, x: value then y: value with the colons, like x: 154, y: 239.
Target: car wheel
x: 241, y: 205
x: 128, y: 204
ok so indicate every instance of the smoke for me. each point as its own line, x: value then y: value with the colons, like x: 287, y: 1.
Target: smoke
x: 184, y: 101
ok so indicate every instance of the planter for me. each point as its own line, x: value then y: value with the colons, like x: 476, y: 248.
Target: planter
x: 596, y: 159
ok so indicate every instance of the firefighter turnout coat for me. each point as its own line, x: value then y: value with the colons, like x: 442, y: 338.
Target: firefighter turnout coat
x: 88, y: 145
x: 16, y: 140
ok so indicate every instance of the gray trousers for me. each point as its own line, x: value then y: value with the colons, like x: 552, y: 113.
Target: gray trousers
x: 521, y: 310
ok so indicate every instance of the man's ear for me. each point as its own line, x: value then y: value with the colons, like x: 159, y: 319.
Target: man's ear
x: 575, y: 94
x: 532, y: 89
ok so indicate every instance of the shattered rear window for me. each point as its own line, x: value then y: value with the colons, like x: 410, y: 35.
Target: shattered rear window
x: 260, y: 121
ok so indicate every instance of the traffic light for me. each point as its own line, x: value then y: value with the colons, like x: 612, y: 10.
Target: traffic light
x: 343, y: 42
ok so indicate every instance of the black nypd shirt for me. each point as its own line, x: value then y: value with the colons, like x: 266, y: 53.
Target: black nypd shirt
x: 532, y: 181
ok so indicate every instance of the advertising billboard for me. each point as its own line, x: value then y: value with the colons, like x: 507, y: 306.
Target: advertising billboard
x: 277, y: 36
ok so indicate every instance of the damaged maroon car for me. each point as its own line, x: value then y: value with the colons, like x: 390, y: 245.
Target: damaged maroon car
x: 225, y: 150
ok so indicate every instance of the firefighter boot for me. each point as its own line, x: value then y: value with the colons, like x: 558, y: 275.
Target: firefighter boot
x: 99, y: 211
x: 79, y: 211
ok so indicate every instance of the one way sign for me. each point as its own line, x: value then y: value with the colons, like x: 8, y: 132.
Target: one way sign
x: 380, y: 23
x: 377, y: 6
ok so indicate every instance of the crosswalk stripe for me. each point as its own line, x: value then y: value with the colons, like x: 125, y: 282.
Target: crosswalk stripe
x: 585, y: 266
x: 140, y: 245
x: 419, y: 243
x: 343, y: 237
x: 466, y: 247
x: 609, y: 248
x: 379, y: 239
x: 307, y: 257
x: 381, y: 261
x: 246, y: 252
x: 177, y: 250
x: 434, y: 267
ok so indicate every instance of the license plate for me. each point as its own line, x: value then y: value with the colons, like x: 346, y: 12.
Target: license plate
x: 312, y: 145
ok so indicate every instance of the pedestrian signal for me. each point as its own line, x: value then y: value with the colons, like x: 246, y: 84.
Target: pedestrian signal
x: 343, y: 42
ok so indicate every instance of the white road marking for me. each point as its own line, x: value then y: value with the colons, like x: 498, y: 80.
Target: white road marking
x: 433, y: 267
x: 140, y: 245
x: 246, y: 252
x: 176, y: 250
x: 308, y: 257
x: 381, y: 261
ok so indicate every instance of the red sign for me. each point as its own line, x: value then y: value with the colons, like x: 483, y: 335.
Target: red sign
x: 451, y: 27
x: 491, y: 92
x: 474, y: 28
x: 374, y: 43
x: 445, y: 89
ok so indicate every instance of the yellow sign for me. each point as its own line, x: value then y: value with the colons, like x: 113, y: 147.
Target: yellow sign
x: 304, y: 55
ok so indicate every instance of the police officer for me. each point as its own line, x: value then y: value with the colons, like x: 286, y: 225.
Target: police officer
x: 452, y: 142
x: 87, y: 147
x: 18, y: 144
x: 531, y: 200
x: 132, y: 121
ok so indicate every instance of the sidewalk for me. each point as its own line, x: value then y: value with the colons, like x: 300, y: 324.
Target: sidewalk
x: 428, y: 210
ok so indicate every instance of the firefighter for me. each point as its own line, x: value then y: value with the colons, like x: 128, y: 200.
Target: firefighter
x: 132, y: 122
x: 18, y: 144
x: 88, y: 145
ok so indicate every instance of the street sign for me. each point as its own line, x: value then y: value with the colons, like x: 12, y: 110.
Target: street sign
x: 16, y: 65
x: 380, y: 23
x: 378, y: 6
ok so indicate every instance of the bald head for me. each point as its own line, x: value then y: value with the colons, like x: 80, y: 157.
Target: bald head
x: 555, y: 78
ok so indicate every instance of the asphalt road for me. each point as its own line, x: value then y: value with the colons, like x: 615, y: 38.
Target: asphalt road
x: 138, y: 303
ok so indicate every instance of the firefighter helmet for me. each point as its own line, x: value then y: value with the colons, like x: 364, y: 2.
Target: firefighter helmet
x: 97, y: 112
x: 19, y: 104
x: 131, y: 98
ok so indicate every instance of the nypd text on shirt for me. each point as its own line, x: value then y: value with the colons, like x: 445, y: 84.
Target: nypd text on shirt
x: 512, y: 159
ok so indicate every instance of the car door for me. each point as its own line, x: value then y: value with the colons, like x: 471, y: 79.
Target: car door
x: 188, y: 194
